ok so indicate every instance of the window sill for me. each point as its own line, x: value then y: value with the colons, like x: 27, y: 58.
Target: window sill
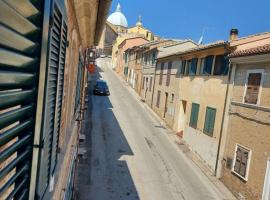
x: 239, y: 176
x: 252, y: 106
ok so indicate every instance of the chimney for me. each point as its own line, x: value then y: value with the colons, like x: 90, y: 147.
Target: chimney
x: 233, y: 34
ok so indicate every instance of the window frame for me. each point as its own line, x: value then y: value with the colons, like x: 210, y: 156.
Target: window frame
x: 248, y: 161
x: 253, y: 71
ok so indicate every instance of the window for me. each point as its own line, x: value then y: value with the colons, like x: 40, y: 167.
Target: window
x: 193, y: 67
x: 194, y: 115
x: 241, y: 161
x: 144, y: 83
x: 153, y: 57
x: 169, y: 74
x: 161, y: 74
x: 183, y: 67
x: 188, y: 66
x: 202, y: 62
x: 253, y: 85
x: 158, y: 99
x: 150, y: 86
x: 209, y: 122
x: 221, y: 65
x: 172, y: 99
x: 208, y: 62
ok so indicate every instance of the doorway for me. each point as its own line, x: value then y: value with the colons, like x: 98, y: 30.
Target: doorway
x: 266, y: 188
x: 166, y: 104
x: 182, y: 115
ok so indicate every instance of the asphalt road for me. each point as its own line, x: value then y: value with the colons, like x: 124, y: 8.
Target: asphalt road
x: 132, y: 156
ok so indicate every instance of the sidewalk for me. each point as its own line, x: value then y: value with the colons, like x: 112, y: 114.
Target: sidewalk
x: 215, y: 182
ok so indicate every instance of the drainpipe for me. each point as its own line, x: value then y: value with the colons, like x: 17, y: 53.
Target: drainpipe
x: 223, y: 117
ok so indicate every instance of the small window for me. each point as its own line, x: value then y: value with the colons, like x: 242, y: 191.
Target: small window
x: 153, y: 57
x: 188, y: 66
x: 253, y: 85
x: 241, y: 161
x: 172, y: 99
x: 209, y: 122
x: 208, y: 63
x: 221, y: 65
x: 169, y: 74
x: 150, y: 85
x: 161, y: 74
x: 202, y: 62
x: 193, y: 67
x: 158, y: 99
x: 183, y: 66
x: 194, y: 115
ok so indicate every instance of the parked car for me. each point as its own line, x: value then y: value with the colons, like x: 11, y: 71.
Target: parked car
x: 101, y: 88
x: 109, y: 56
x: 102, y: 55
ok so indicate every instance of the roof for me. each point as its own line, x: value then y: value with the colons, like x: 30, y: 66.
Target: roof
x: 118, y: 18
x: 250, y: 36
x: 252, y: 51
x: 198, y: 48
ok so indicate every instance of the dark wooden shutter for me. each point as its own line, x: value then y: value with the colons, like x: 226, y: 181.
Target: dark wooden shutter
x: 20, y: 44
x: 237, y: 160
x: 53, y: 99
x: 241, y: 161
x: 253, y: 87
x: 169, y: 74
x: 161, y: 74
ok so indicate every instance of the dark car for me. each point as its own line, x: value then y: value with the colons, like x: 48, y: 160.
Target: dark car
x: 101, y: 88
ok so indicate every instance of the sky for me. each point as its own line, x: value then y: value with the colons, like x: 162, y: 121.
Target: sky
x: 182, y: 19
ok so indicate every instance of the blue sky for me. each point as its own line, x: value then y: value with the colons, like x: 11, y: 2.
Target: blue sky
x: 187, y: 18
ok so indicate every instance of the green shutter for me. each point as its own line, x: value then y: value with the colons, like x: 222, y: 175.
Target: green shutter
x: 20, y: 42
x: 78, y: 87
x: 209, y: 123
x: 194, y: 115
x: 53, y: 99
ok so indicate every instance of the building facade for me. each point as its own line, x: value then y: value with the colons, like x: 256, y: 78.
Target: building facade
x: 246, y: 161
x: 42, y: 81
x: 122, y: 57
x: 165, y: 89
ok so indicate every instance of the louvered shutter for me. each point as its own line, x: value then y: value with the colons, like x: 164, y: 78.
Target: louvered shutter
x: 20, y: 42
x: 208, y: 65
x: 53, y: 99
x: 193, y: 67
x: 209, y: 123
x: 194, y: 115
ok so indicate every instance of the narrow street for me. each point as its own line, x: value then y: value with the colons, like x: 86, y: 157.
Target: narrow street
x: 132, y: 156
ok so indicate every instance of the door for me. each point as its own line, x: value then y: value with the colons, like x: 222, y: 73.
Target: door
x: 166, y: 104
x: 266, y: 188
x: 182, y: 115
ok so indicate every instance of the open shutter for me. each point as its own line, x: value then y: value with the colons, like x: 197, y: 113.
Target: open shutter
x: 209, y: 123
x: 20, y: 41
x: 53, y: 99
x: 208, y: 65
x: 161, y: 74
x: 78, y: 87
x: 194, y: 115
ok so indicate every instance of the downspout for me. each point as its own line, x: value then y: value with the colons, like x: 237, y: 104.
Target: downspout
x: 223, y: 117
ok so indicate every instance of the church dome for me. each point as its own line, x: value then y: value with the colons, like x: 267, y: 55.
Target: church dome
x: 118, y: 18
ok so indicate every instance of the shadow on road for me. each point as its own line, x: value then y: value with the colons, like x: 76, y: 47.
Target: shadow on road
x: 102, y: 173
